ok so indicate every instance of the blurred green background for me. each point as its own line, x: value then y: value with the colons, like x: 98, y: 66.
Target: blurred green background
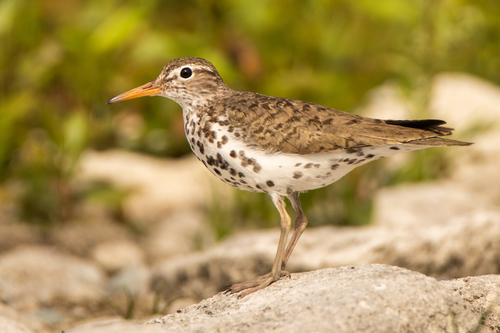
x: 60, y: 61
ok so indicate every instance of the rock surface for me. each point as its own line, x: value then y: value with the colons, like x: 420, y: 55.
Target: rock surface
x: 372, y: 298
x: 10, y: 326
x: 114, y: 326
x: 158, y: 186
x: 466, y: 245
x: 366, y: 298
x: 113, y: 256
x: 31, y: 276
x: 179, y: 233
x: 14, y: 320
x: 464, y: 100
x: 482, y: 293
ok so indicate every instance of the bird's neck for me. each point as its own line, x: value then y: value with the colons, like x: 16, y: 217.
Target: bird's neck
x: 203, y: 111
x: 200, y: 100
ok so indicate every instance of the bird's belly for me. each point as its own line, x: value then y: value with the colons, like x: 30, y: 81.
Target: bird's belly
x: 251, y: 169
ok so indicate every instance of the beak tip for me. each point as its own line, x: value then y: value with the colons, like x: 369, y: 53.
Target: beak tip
x: 148, y: 89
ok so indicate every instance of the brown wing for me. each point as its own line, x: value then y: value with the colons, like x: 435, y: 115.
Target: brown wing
x: 296, y: 127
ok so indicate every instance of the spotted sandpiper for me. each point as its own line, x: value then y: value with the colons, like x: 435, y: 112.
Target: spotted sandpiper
x: 276, y: 145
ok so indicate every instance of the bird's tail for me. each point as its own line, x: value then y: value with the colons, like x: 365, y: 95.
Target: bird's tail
x: 437, y: 142
x: 432, y: 125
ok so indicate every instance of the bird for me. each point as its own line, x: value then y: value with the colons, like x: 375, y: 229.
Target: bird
x: 278, y: 146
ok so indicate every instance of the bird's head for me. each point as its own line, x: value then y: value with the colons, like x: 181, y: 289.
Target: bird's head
x: 186, y: 81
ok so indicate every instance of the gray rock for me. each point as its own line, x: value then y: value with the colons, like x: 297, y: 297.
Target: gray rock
x: 366, y: 298
x: 81, y: 237
x: 478, y: 170
x: 117, y: 255
x: 34, y: 275
x: 11, y: 326
x: 179, y: 233
x: 180, y: 303
x: 114, y: 326
x: 159, y: 186
x: 467, y: 245
x: 462, y: 246
x: 202, y: 274
x: 460, y: 98
x: 50, y: 317
x: 482, y: 296
x: 18, y: 320
x: 134, y: 279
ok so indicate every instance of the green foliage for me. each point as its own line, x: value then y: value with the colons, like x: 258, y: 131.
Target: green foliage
x: 61, y: 61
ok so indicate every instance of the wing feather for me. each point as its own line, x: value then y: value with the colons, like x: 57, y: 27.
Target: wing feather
x: 296, y: 127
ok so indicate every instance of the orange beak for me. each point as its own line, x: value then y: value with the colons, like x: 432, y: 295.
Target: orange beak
x: 148, y: 89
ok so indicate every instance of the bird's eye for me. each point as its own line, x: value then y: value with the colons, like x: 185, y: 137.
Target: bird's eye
x: 186, y: 72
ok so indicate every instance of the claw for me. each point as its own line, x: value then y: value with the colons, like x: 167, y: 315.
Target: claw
x: 256, y: 284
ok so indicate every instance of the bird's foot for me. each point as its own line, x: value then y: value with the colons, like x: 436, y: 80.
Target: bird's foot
x: 258, y: 283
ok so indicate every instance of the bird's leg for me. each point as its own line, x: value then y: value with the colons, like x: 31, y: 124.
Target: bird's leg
x: 300, y: 225
x: 263, y: 281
